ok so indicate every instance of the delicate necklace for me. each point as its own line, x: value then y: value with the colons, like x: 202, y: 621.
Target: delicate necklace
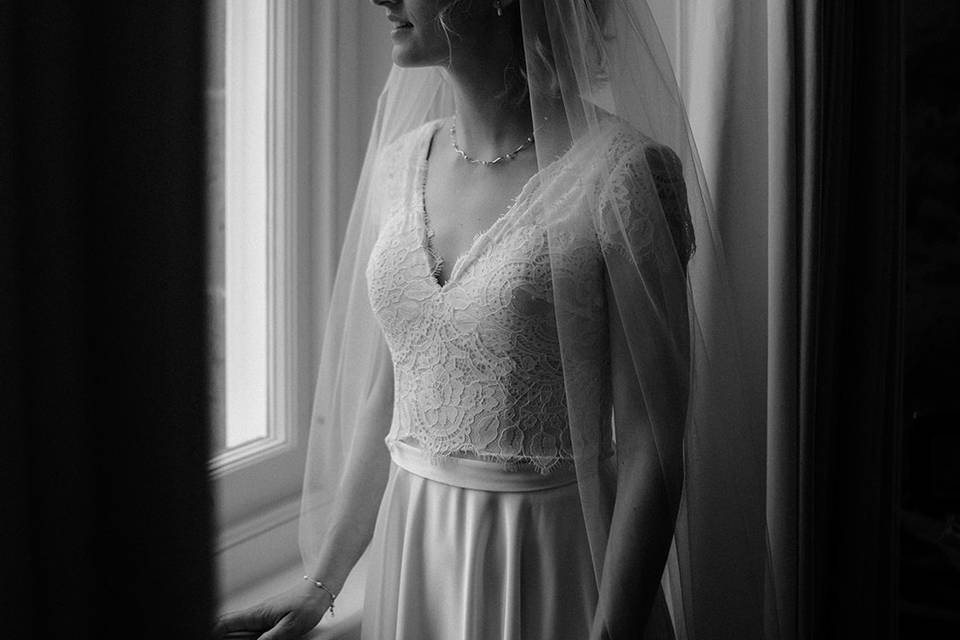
x: 486, y: 163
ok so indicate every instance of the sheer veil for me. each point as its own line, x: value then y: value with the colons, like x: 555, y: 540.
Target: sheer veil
x: 620, y: 180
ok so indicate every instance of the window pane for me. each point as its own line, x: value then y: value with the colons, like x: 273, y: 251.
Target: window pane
x: 238, y: 282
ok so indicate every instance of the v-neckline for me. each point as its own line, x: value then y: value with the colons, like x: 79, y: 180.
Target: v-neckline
x: 430, y: 253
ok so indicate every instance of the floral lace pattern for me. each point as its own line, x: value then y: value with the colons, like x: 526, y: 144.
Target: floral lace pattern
x: 477, y: 361
x: 644, y: 174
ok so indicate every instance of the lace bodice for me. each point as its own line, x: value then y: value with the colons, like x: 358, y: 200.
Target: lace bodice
x: 477, y: 364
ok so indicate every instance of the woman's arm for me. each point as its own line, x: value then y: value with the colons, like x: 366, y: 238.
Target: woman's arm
x: 365, y: 477
x: 648, y: 239
x: 649, y: 473
x: 298, y: 610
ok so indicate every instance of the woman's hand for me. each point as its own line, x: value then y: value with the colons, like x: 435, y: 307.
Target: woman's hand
x: 287, y: 616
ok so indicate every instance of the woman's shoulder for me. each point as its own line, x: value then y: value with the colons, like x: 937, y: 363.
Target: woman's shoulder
x: 399, y: 154
x: 616, y: 152
x: 626, y: 149
x: 639, y: 170
x: 408, y: 143
x: 391, y: 158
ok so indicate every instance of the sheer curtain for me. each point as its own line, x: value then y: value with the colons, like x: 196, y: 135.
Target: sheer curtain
x: 795, y: 105
x: 807, y: 94
x: 722, y: 52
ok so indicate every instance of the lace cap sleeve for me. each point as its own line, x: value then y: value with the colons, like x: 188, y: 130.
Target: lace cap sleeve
x: 642, y: 207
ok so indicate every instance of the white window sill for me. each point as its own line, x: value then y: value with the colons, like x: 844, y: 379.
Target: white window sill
x: 344, y: 626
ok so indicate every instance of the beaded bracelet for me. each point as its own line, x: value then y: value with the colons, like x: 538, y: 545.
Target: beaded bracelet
x: 320, y: 585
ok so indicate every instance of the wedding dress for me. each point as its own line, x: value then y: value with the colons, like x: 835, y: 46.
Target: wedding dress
x: 480, y: 533
x: 503, y: 515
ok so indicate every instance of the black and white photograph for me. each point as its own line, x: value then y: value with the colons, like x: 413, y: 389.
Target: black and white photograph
x: 480, y: 319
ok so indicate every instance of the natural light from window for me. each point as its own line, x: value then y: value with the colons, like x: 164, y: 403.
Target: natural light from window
x: 239, y: 207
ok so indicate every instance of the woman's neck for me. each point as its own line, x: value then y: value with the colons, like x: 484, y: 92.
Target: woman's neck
x: 487, y: 125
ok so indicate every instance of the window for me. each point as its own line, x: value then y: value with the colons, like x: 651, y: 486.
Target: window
x: 292, y: 87
x: 260, y: 276
x: 255, y: 232
x: 240, y: 235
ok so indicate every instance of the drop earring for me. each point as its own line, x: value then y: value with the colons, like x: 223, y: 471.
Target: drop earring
x: 499, y: 8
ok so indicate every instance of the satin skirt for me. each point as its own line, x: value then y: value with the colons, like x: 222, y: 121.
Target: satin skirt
x: 465, y: 550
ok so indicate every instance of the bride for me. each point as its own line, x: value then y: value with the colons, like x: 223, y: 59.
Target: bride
x: 515, y: 379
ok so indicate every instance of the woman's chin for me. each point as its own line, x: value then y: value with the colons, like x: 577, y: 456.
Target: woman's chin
x: 405, y: 55
x: 401, y: 59
x: 407, y: 59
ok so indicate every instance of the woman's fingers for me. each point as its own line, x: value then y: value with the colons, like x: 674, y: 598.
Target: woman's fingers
x: 286, y: 629
x: 286, y: 617
x: 255, y: 619
x: 227, y: 623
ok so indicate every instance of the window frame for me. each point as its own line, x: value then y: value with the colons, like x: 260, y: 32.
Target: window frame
x: 257, y: 484
x: 334, y: 57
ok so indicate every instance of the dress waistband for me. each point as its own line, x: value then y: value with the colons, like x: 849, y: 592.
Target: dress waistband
x: 481, y: 475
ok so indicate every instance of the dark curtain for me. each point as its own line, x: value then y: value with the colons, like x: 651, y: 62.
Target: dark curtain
x: 103, y: 458
x: 851, y: 270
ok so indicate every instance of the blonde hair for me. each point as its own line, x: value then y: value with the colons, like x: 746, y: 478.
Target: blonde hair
x: 516, y: 88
